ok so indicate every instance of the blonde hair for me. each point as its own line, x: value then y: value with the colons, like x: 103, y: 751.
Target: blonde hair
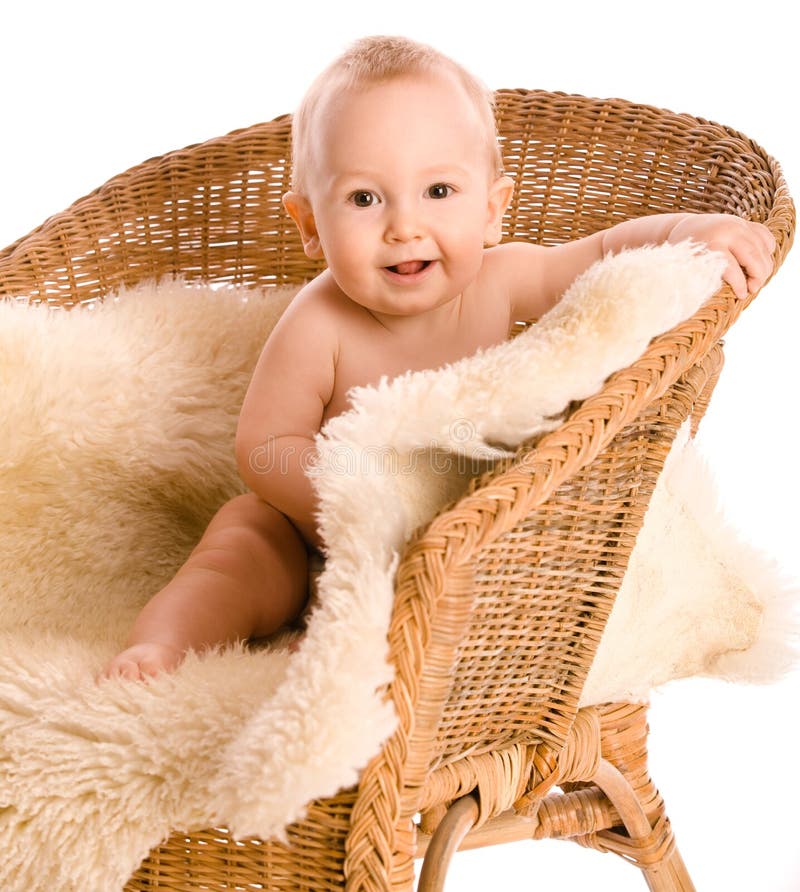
x: 374, y: 60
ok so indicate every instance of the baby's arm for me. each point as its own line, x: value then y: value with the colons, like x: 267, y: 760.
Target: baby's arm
x: 283, y: 410
x: 536, y: 276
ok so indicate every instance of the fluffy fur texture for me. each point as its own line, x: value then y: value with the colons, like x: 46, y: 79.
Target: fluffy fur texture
x: 696, y: 599
x: 115, y: 451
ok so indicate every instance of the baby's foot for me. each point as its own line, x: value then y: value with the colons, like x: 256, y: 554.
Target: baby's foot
x: 143, y: 660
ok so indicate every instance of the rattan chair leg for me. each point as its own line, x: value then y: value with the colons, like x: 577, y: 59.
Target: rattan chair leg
x: 651, y: 849
x: 654, y: 852
x: 670, y: 876
x: 614, y: 784
x: 456, y: 824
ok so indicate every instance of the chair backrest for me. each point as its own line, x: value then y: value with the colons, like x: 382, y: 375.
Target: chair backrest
x: 213, y: 211
x: 209, y: 212
x: 583, y: 164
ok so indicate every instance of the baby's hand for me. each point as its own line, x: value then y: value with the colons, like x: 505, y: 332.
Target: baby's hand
x: 748, y: 247
x: 141, y: 661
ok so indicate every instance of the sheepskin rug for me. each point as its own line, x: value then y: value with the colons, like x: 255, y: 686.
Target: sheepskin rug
x: 117, y: 447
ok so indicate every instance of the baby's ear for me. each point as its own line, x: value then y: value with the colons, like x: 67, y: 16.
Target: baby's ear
x: 299, y: 209
x: 500, y: 193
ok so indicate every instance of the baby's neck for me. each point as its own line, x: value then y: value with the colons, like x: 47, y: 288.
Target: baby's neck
x: 428, y: 325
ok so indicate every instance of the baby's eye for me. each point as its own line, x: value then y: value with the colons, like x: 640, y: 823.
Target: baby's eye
x: 439, y: 190
x: 363, y: 198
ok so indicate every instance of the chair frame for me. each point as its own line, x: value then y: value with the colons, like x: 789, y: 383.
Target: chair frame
x: 472, y: 762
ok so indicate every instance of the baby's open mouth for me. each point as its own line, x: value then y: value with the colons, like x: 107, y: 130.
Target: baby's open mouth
x: 409, y: 267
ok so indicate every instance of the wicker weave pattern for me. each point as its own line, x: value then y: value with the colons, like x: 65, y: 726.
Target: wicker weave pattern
x: 584, y: 164
x: 540, y: 609
x: 500, y: 603
x: 211, y: 212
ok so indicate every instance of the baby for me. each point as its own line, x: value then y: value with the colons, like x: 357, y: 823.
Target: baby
x: 398, y: 185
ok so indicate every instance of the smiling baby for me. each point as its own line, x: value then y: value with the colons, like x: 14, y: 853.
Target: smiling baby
x: 398, y: 185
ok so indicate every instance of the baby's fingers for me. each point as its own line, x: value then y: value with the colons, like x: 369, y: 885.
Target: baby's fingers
x: 755, y: 259
x: 765, y: 237
x: 750, y: 265
x: 735, y: 276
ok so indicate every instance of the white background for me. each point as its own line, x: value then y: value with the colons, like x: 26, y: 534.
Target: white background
x: 89, y: 89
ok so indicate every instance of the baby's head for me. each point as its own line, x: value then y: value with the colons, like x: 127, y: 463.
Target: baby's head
x: 397, y: 175
x: 379, y: 60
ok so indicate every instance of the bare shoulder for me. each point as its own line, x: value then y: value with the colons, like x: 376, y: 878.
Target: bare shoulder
x: 518, y: 269
x: 320, y: 316
x: 537, y: 276
x: 294, y: 377
x: 312, y: 312
x: 509, y: 255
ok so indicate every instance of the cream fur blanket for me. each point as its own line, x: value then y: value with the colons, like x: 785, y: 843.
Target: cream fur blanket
x: 115, y: 450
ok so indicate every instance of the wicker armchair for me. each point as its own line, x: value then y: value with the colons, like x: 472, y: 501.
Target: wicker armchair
x: 502, y: 600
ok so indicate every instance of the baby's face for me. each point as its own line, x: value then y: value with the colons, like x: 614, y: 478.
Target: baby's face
x: 403, y: 195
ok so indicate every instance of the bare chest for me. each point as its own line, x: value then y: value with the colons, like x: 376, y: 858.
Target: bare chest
x: 367, y: 353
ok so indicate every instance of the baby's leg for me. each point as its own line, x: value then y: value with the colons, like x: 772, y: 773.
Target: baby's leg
x: 246, y: 578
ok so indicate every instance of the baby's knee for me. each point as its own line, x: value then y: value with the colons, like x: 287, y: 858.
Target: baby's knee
x: 248, y: 526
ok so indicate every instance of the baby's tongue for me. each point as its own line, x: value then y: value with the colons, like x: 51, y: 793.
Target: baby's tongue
x: 409, y: 267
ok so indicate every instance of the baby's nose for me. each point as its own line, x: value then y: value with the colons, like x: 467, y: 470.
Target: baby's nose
x: 404, y: 223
